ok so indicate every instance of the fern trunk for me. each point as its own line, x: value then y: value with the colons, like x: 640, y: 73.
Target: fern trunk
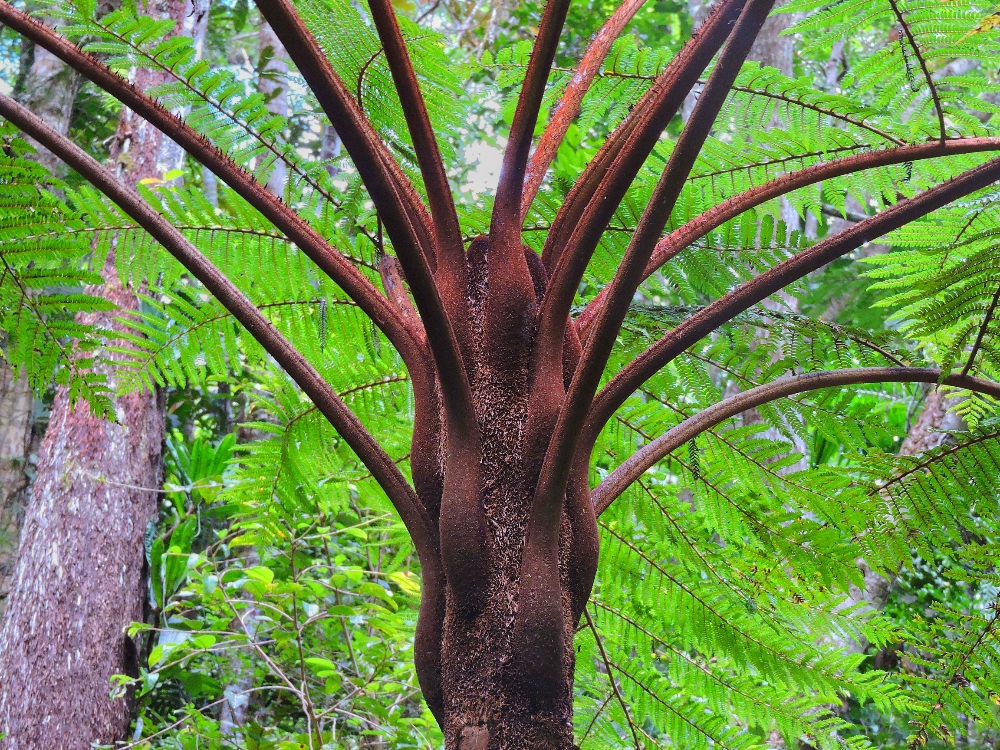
x: 494, y: 685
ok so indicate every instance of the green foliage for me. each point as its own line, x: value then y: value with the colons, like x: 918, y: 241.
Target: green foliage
x: 293, y: 618
x: 46, y: 299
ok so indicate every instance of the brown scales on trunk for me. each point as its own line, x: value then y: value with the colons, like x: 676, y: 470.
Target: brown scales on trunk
x: 505, y: 381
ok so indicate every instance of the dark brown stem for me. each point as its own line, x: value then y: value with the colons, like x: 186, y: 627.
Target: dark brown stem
x: 628, y: 380
x: 538, y: 627
x: 335, y: 265
x: 698, y: 227
x: 982, y: 332
x: 385, y: 472
x: 649, y: 455
x: 449, y: 246
x: 397, y: 203
x: 569, y: 105
x: 923, y: 65
x: 395, y: 199
x: 403, y: 213
x: 507, y: 207
x: 618, y: 161
x: 554, y: 477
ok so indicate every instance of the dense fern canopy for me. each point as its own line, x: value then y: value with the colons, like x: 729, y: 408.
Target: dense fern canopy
x: 729, y: 608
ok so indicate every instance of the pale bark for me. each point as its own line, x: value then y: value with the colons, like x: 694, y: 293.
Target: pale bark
x: 194, y: 24
x: 931, y: 429
x: 141, y: 150
x: 273, y: 84
x: 771, y: 49
x: 49, y: 88
x: 80, y: 578
x: 16, y: 408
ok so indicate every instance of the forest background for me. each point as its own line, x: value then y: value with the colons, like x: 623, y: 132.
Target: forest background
x: 275, y: 593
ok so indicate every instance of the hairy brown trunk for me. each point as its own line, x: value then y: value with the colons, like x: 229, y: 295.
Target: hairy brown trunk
x: 81, y: 573
x: 487, y: 701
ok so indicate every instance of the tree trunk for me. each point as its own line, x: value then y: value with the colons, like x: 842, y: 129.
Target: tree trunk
x: 273, y: 84
x: 80, y: 578
x: 49, y: 88
x: 16, y: 408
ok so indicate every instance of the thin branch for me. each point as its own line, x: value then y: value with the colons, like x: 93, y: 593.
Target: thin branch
x: 443, y: 214
x: 759, y: 527
x: 982, y: 332
x: 847, y: 214
x: 821, y: 110
x: 649, y: 455
x: 507, y: 207
x: 777, y: 97
x: 715, y: 217
x: 778, y: 161
x: 629, y: 379
x: 597, y: 715
x: 611, y: 678
x: 293, y: 164
x: 361, y: 76
x: 923, y: 65
x: 641, y: 684
x: 312, y: 383
x: 569, y: 105
x: 335, y: 265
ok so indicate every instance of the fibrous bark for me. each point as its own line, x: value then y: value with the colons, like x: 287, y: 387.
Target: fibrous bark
x: 80, y: 580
